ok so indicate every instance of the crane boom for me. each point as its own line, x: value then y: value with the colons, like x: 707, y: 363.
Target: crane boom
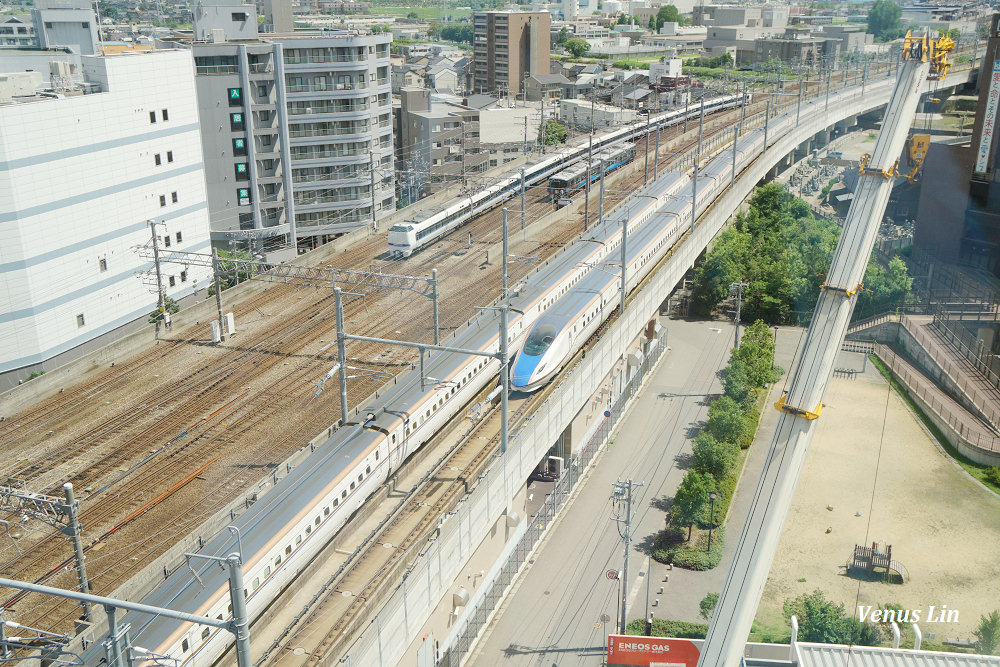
x: 800, y: 406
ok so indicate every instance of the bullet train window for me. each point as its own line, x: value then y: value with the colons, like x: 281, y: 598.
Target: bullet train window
x: 229, y: 609
x: 336, y: 502
x: 539, y: 339
x: 352, y: 486
x: 378, y: 454
x: 205, y: 633
x: 360, y: 478
x: 309, y: 529
x: 317, y: 521
x: 277, y: 561
x: 368, y: 470
x: 288, y: 550
x: 298, y: 540
x: 256, y: 583
x: 267, y: 571
x: 219, y: 617
x: 185, y: 646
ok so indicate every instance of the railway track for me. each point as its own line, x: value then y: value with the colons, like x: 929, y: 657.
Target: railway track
x: 123, y: 477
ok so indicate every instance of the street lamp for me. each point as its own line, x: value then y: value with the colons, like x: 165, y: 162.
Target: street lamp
x: 711, y: 519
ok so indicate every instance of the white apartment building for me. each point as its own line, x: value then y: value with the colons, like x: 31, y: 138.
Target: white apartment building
x: 81, y: 176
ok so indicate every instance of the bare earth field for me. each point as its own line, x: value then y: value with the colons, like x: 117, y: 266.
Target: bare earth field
x: 871, y: 455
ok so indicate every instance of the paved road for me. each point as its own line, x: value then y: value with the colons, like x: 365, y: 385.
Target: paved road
x: 561, y: 609
x: 564, y: 606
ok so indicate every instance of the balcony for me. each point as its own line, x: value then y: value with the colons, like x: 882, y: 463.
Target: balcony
x: 216, y: 69
x: 327, y: 131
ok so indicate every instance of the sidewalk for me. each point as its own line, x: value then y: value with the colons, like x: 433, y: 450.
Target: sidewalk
x: 686, y: 588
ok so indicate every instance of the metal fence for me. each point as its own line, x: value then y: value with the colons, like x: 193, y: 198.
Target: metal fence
x: 918, y: 385
x: 968, y: 344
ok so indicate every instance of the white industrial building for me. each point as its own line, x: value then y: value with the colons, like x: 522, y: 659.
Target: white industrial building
x: 82, y: 172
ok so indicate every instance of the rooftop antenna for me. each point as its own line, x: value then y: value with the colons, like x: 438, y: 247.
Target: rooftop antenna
x: 100, y: 38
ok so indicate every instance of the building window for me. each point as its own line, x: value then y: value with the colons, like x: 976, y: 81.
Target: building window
x: 236, y: 121
x: 184, y: 276
x: 235, y: 97
x: 262, y: 90
x: 265, y: 140
x: 242, y: 171
x: 170, y: 156
x: 172, y: 281
x: 166, y: 241
x: 239, y: 16
x: 103, y: 264
x: 265, y: 116
x: 152, y: 116
x: 165, y: 115
x: 79, y: 320
x: 156, y: 159
x: 179, y: 237
x: 173, y: 197
x: 163, y: 200
x: 239, y: 146
x: 85, y: 25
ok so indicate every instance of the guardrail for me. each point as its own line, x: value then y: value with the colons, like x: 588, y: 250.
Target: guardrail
x: 923, y: 389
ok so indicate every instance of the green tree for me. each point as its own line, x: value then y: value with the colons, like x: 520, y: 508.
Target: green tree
x: 884, y: 20
x: 714, y: 457
x: 554, y: 132
x: 988, y: 633
x: 707, y: 605
x: 622, y: 19
x: 668, y: 14
x: 884, y: 286
x: 562, y: 37
x: 727, y: 421
x: 577, y: 47
x: 457, y: 33
x: 233, y: 269
x: 652, y: 24
x: 756, y: 352
x: 169, y: 305
x: 737, y: 384
x: 823, y: 621
x: 691, y: 499
x: 412, y: 15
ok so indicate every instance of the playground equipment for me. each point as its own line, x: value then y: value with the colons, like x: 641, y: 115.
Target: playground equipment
x: 875, y: 562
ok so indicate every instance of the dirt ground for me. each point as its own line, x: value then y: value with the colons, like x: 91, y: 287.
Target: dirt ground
x: 871, y: 455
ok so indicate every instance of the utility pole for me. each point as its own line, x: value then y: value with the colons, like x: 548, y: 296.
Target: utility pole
x: 522, y: 201
x: 218, y: 293
x: 798, y: 108
x: 694, y: 196
x: 600, y: 214
x: 624, y: 285
x: 524, y: 151
x: 586, y: 197
x: 374, y: 223
x: 645, y: 168
x: 160, y: 300
x: 736, y: 137
x: 656, y: 154
x: 341, y: 355
x: 701, y: 123
x: 73, y: 525
x: 621, y: 493
x: 767, y: 118
x: 434, y: 302
x: 736, y: 291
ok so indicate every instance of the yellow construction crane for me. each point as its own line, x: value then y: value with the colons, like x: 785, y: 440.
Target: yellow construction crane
x: 916, y: 153
x: 929, y: 50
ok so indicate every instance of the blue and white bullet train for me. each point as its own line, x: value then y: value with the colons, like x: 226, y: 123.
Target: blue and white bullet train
x: 559, y: 304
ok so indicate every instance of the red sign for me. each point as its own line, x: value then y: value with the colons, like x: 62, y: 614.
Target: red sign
x: 650, y: 651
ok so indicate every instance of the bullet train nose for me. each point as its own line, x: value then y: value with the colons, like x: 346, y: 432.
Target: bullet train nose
x: 529, y: 372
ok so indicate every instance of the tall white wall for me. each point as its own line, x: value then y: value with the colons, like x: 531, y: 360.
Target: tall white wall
x: 78, y: 183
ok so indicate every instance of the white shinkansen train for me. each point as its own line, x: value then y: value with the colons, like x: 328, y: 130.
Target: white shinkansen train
x: 406, y: 238
x: 559, y: 304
